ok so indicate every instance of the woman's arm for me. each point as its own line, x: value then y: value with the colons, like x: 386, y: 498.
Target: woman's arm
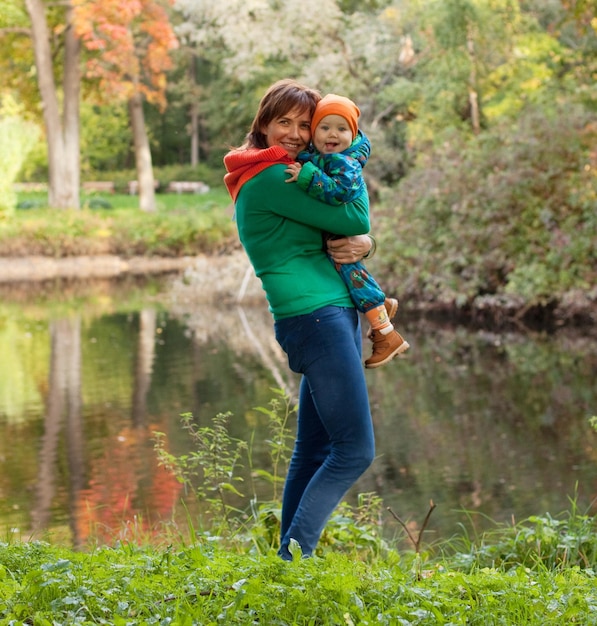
x: 275, y: 196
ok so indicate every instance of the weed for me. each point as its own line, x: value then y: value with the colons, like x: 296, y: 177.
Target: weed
x: 213, y: 471
x: 538, y: 542
x: 279, y: 443
x: 215, y: 464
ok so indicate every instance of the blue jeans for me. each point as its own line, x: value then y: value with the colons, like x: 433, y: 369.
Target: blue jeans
x: 334, y: 442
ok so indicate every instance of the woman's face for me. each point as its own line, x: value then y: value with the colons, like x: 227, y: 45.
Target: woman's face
x: 291, y: 131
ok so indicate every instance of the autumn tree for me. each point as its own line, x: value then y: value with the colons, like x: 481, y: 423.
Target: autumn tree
x: 129, y: 46
x: 40, y: 61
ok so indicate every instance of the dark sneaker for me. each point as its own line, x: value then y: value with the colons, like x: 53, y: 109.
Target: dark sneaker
x: 385, y: 348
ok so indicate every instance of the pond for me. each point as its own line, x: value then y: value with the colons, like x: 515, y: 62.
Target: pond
x: 491, y: 427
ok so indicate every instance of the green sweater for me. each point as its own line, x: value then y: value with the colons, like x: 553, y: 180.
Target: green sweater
x: 280, y: 228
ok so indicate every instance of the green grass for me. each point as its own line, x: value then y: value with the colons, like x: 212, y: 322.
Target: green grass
x: 218, y: 196
x: 113, y: 224
x: 202, y: 582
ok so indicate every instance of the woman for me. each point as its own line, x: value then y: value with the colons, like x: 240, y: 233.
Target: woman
x: 314, y: 319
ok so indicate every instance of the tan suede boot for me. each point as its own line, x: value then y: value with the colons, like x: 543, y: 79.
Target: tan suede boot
x: 385, y: 348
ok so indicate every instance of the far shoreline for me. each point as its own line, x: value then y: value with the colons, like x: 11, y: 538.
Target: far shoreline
x: 41, y: 268
x: 496, y: 312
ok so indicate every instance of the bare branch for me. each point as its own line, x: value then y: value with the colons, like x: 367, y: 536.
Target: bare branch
x: 15, y: 30
x: 416, y: 542
x: 410, y: 536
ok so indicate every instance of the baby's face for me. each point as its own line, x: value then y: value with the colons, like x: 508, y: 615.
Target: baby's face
x: 332, y: 134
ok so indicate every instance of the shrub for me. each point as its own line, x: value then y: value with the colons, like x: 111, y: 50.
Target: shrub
x: 16, y: 139
x: 509, y: 212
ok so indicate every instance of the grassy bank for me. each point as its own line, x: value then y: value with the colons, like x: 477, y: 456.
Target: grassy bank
x: 541, y: 573
x: 183, y: 225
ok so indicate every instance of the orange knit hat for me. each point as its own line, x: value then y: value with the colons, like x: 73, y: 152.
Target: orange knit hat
x: 337, y: 105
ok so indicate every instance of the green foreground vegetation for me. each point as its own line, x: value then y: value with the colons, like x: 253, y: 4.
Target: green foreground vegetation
x: 202, y: 583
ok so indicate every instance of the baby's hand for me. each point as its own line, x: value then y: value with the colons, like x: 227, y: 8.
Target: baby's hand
x: 294, y: 170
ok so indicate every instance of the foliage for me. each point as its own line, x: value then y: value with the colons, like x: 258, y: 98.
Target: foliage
x: 463, y: 42
x: 17, y: 137
x: 536, y: 77
x: 129, y: 46
x: 16, y: 58
x: 518, y: 200
x: 539, y: 542
x: 35, y: 166
x: 211, y: 471
x: 286, y: 42
x: 106, y: 138
x: 415, y: 69
x: 579, y: 31
x: 357, y: 529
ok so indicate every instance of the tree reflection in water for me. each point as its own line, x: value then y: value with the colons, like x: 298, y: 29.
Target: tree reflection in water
x: 63, y: 403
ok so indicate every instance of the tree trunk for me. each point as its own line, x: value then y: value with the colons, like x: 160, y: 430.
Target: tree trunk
x: 62, y: 135
x: 142, y: 155
x: 194, y: 134
x: 473, y: 98
x: 75, y: 439
x: 194, y: 113
x: 64, y: 398
x: 71, y: 85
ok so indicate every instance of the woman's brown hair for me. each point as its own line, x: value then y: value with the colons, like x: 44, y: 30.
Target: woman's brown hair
x: 282, y: 97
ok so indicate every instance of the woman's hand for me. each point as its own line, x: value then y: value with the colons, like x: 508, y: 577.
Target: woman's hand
x: 350, y: 249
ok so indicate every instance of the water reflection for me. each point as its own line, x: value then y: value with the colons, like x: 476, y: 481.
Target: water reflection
x: 63, y: 405
x: 494, y: 424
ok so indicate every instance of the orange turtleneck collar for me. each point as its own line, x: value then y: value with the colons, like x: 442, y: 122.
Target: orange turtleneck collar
x: 242, y: 165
